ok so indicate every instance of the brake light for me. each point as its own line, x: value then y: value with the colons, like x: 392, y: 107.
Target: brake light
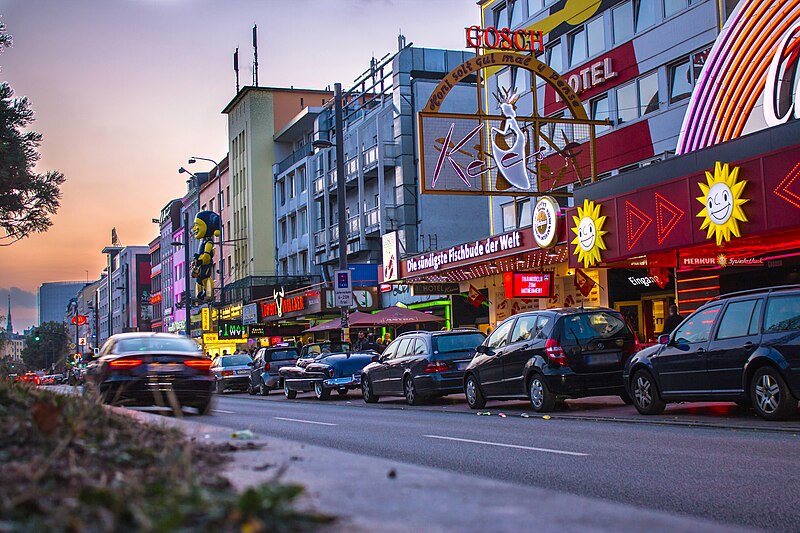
x: 636, y: 344
x: 436, y: 366
x: 125, y: 363
x: 199, y: 364
x: 227, y: 372
x: 555, y: 352
x: 266, y: 367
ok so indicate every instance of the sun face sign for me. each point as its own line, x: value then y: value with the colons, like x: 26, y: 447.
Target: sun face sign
x: 589, y: 233
x: 722, y: 203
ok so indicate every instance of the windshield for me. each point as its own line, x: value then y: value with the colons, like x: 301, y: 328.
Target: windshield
x: 235, y: 360
x: 328, y: 347
x: 589, y: 326
x: 283, y: 355
x: 457, y: 343
x: 156, y: 344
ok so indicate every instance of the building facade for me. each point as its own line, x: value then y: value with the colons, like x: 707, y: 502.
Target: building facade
x: 54, y: 297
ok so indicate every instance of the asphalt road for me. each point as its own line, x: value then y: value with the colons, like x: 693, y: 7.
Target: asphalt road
x: 734, y: 476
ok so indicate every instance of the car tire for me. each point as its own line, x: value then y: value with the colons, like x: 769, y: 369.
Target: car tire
x: 542, y: 400
x: 366, y: 391
x: 646, y: 397
x: 770, y: 395
x: 472, y: 391
x: 320, y: 392
x: 263, y: 390
x: 206, y: 406
x: 220, y: 386
x: 289, y: 393
x: 410, y: 392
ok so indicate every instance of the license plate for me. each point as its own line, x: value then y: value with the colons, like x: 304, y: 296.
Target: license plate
x: 165, y: 367
x: 242, y: 372
x: 602, y: 359
x: 461, y: 366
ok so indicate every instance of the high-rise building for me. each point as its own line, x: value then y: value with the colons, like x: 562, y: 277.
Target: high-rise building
x: 54, y: 297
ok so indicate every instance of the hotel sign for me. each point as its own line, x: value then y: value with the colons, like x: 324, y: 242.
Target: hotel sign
x: 431, y: 289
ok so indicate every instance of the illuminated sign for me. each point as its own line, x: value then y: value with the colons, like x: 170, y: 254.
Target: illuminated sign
x: 288, y: 305
x: 250, y: 314
x: 210, y: 337
x: 231, y: 311
x: 546, y: 222
x: 528, y: 285
x: 425, y: 289
x: 464, y: 252
x: 256, y: 330
x: 205, y: 319
x: 391, y: 268
x: 717, y: 260
x: 505, y: 39
x: 155, y: 298
x: 231, y: 329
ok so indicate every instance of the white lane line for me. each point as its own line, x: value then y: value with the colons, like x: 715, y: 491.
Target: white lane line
x: 223, y: 411
x: 548, y: 450
x: 304, y: 421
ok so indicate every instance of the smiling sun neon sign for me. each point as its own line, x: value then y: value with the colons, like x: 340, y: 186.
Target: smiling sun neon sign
x: 722, y: 203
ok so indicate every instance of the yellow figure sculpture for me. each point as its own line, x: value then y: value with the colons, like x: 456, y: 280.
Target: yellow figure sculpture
x: 206, y: 227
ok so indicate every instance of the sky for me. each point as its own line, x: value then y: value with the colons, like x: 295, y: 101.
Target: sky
x: 124, y: 91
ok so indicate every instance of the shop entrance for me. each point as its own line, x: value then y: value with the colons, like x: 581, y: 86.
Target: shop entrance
x: 637, y: 295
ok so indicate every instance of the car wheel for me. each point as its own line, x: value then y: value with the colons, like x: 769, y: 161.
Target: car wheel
x: 542, y: 400
x: 320, y: 392
x: 645, y: 394
x: 626, y: 398
x: 412, y: 398
x: 475, y: 398
x: 263, y: 390
x: 771, y: 397
x: 289, y: 393
x: 220, y: 386
x: 366, y: 391
x: 205, y: 407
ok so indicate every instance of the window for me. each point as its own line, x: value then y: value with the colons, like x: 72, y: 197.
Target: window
x: 627, y: 106
x: 402, y: 350
x: 302, y: 223
x: 673, y: 6
x: 637, y: 98
x: 524, y: 217
x: 586, y: 42
x: 509, y: 217
x: 622, y: 22
x: 303, y: 263
x: 534, y: 6
x: 301, y: 178
x: 499, y: 337
x: 595, y: 36
x: 680, y: 81
x: 698, y: 327
x: 419, y: 347
x: 503, y: 79
x: 283, y: 231
x: 755, y: 319
x: 292, y: 227
x: 598, y: 110
x: 282, y: 192
x: 736, y: 320
x: 648, y: 93
x: 501, y: 17
x: 645, y: 14
x: 577, y: 47
x: 517, y: 8
x: 783, y: 314
x: 525, y: 329
x: 555, y: 59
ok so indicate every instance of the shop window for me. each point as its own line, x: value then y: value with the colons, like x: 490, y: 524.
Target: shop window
x: 736, y: 320
x: 598, y: 108
x: 622, y: 22
x: 509, y: 217
x: 673, y: 6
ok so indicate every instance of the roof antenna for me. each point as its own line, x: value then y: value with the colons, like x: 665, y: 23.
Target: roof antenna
x: 255, y: 55
x: 236, y: 67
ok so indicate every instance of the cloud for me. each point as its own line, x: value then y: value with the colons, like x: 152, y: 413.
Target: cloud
x: 19, y: 299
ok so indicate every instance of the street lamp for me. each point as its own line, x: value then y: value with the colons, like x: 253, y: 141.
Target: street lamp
x: 193, y: 160
x: 340, y: 181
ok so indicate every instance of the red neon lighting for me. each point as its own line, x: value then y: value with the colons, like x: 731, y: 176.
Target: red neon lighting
x: 635, y: 233
x: 711, y: 288
x: 697, y: 300
x: 664, y: 227
x: 697, y: 279
x: 782, y: 190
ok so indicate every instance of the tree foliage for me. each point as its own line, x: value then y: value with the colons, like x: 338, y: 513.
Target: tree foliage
x: 46, y: 346
x: 27, y: 198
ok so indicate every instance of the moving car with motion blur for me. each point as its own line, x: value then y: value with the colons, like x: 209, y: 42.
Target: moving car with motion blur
x: 152, y: 369
x: 552, y: 354
x: 231, y: 372
x: 264, y: 374
x: 338, y: 371
x: 421, y: 365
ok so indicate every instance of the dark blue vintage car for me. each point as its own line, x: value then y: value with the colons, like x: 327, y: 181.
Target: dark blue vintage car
x: 338, y: 371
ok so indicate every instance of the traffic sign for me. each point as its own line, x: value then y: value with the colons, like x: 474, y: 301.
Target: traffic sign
x: 343, y: 288
x: 82, y: 341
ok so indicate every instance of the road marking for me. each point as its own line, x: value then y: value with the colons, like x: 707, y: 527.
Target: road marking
x: 304, y: 421
x: 222, y: 411
x: 548, y: 450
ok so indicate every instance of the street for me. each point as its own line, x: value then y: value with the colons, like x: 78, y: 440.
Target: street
x: 732, y: 476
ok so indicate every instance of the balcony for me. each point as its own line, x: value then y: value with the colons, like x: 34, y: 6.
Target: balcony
x: 372, y: 220
x: 319, y: 186
x: 319, y: 240
x: 298, y: 155
x: 370, y: 158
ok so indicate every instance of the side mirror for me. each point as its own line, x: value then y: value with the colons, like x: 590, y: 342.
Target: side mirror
x: 250, y: 363
x: 663, y: 339
x: 375, y: 358
x: 484, y: 350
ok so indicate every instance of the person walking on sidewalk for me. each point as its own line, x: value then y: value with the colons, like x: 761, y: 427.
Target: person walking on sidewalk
x: 672, y: 321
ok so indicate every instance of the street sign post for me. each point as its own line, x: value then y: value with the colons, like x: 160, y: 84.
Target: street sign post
x: 343, y: 288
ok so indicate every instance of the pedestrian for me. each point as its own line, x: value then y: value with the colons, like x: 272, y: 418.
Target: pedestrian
x: 672, y: 321
x: 371, y: 344
x: 361, y: 341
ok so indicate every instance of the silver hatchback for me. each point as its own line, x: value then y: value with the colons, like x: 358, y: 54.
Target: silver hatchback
x: 231, y: 372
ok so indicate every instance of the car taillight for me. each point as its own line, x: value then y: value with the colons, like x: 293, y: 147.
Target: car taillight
x: 555, y: 352
x: 120, y: 364
x: 266, y: 367
x: 436, y: 366
x: 331, y: 372
x: 636, y: 344
x: 227, y: 372
x: 199, y: 364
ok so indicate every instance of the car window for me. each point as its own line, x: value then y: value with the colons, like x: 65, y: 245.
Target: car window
x: 499, y: 337
x: 542, y: 326
x: 585, y: 327
x: 419, y: 347
x: 235, y: 360
x: 283, y: 355
x: 783, y: 314
x: 735, y: 321
x: 697, y: 328
x: 156, y: 344
x: 457, y: 342
x: 755, y: 320
x: 402, y: 348
x: 390, y: 350
x: 524, y: 329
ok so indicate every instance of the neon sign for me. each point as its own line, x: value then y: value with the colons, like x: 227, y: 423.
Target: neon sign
x: 231, y: 329
x: 505, y: 39
x: 528, y: 285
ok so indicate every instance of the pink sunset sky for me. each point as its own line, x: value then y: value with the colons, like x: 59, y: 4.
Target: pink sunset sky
x: 125, y: 91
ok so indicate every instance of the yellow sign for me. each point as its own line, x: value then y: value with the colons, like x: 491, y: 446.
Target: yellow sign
x: 210, y: 338
x: 205, y: 317
x: 589, y: 233
x: 231, y: 311
x: 722, y: 203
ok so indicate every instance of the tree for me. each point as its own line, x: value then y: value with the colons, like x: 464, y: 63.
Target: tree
x: 46, y: 346
x: 27, y: 198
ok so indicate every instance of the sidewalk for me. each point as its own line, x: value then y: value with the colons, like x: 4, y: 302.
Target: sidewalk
x: 363, y: 492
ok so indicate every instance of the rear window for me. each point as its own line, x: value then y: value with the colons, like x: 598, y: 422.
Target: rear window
x: 457, y: 343
x: 282, y: 355
x: 236, y: 360
x: 156, y: 344
x: 783, y: 314
x: 589, y: 326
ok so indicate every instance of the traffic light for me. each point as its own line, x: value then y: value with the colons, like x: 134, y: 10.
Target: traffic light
x: 36, y: 338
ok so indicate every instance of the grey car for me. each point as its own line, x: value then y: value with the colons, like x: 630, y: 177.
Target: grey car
x: 264, y: 373
x: 231, y: 372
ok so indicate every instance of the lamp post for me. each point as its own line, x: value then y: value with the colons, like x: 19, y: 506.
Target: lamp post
x: 340, y: 181
x: 191, y: 161
x: 187, y: 298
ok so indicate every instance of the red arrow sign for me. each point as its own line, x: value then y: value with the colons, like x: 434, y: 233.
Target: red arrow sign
x: 636, y: 223
x: 782, y: 190
x: 665, y: 225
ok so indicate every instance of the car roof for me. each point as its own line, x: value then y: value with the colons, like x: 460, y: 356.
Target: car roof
x: 457, y: 331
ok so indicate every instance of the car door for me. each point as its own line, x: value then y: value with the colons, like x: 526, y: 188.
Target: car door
x: 397, y: 365
x: 736, y: 338
x: 490, y: 371
x: 518, y: 353
x: 681, y: 365
x: 255, y: 370
x: 378, y: 375
x: 418, y: 357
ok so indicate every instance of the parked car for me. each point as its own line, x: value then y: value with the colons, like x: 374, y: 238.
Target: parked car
x: 316, y: 350
x: 552, y: 354
x: 742, y: 347
x: 339, y: 371
x: 29, y: 377
x: 264, y: 375
x: 148, y: 368
x: 231, y: 372
x: 421, y: 365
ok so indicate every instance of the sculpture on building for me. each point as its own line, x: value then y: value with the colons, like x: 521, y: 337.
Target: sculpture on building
x: 206, y: 227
